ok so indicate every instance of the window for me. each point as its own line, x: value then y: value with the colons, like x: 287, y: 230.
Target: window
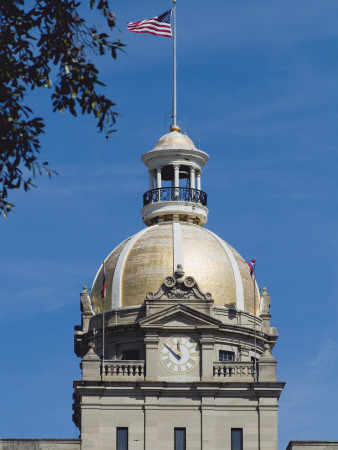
x: 121, y: 438
x: 131, y: 355
x: 236, y: 438
x: 180, y: 439
x: 224, y: 355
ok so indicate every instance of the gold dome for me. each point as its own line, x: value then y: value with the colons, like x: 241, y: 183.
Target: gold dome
x: 140, y: 264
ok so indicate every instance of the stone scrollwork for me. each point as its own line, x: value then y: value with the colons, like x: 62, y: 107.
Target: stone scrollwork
x: 189, y: 282
x: 179, y: 287
x: 169, y: 282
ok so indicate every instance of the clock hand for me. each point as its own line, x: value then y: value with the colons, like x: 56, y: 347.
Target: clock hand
x: 170, y: 348
x: 173, y: 349
x: 177, y: 351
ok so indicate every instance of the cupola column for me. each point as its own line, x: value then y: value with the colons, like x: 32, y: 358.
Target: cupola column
x: 198, y: 180
x: 151, y: 179
x: 158, y: 178
x: 176, y: 175
x: 192, y: 178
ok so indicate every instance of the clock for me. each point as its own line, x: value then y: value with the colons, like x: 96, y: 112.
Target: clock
x: 179, y: 354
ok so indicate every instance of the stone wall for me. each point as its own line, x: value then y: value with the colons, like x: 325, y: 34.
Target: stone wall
x: 312, y: 445
x: 40, y: 444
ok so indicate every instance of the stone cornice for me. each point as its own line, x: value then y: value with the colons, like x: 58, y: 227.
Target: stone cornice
x: 214, y: 388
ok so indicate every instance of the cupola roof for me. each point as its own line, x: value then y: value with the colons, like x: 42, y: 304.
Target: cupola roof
x: 175, y: 140
x: 177, y: 147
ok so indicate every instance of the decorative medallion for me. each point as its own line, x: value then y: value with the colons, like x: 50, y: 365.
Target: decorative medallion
x: 179, y: 287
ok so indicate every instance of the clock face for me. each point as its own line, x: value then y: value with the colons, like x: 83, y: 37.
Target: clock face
x: 179, y: 354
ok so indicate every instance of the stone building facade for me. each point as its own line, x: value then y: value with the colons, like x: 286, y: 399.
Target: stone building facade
x: 178, y: 355
x: 312, y: 445
x: 175, y: 338
x: 40, y: 444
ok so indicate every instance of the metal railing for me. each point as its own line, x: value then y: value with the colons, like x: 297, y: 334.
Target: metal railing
x: 175, y: 194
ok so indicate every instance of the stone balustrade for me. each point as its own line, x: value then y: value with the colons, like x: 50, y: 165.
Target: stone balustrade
x: 125, y: 369
x: 232, y: 370
x: 121, y: 370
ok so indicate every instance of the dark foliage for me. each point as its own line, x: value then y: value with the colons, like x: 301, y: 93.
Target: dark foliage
x: 37, y: 38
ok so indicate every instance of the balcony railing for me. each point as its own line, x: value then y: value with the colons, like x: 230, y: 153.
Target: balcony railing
x: 175, y: 194
x: 127, y: 369
x: 120, y: 370
x: 232, y: 370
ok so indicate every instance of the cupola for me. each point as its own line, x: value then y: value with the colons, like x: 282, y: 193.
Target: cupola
x: 175, y: 168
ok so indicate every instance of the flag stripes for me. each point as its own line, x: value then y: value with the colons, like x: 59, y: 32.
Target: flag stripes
x: 158, y: 26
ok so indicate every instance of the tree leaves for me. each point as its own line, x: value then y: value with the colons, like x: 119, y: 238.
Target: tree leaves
x: 33, y: 42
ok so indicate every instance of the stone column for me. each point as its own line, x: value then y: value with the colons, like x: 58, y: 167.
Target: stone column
x: 151, y: 342
x: 158, y: 178
x: 151, y: 179
x: 176, y: 192
x: 198, y: 180
x: 268, y: 427
x: 176, y: 175
x: 207, y: 356
x: 113, y: 351
x: 192, y: 178
x: 210, y: 440
x: 90, y: 364
x: 267, y: 366
x: 265, y: 311
x: 151, y: 422
x: 86, y: 309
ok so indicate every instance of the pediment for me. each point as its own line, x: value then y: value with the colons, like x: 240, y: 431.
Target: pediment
x: 180, y: 317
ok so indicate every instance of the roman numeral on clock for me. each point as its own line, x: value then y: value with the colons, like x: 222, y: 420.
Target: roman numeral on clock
x: 170, y: 365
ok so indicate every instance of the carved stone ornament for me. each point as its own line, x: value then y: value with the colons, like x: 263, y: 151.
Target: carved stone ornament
x: 179, y: 287
x: 267, y: 350
x: 86, y: 305
x: 91, y: 352
x: 265, y: 301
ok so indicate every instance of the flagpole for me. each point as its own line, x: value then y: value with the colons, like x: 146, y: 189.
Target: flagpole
x: 102, y: 369
x: 103, y: 298
x: 255, y: 317
x: 174, y: 126
x: 252, y: 266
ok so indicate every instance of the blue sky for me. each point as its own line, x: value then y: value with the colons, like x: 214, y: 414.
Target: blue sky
x: 258, y: 91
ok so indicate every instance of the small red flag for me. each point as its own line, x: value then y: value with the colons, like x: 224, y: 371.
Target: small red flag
x: 251, y: 264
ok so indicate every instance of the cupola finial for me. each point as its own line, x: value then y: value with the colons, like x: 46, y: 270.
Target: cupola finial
x: 175, y: 128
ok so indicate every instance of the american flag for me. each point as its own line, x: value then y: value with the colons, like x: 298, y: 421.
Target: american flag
x: 159, y: 25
